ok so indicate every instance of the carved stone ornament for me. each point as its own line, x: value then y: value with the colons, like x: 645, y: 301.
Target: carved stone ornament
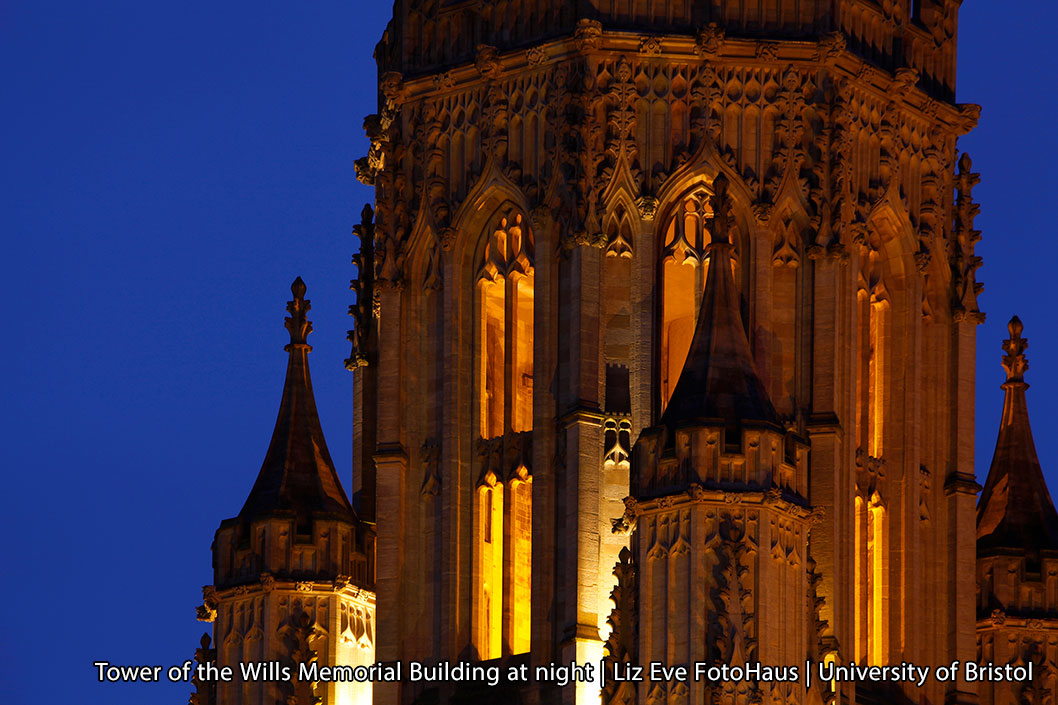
x: 649, y: 45
x: 647, y: 207
x: 443, y: 80
x: 767, y: 51
x: 587, y: 34
x: 709, y: 40
x: 966, y: 262
x: 487, y: 62
x: 534, y: 56
x: 207, y: 611
x: 431, y: 460
x: 831, y: 45
x: 362, y: 310
x: 391, y: 84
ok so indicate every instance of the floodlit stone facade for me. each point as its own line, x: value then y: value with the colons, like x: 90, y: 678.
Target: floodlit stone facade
x: 546, y: 199
x: 664, y: 351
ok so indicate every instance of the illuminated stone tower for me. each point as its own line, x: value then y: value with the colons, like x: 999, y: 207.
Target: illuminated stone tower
x: 1017, y: 550
x: 292, y: 573
x: 549, y: 178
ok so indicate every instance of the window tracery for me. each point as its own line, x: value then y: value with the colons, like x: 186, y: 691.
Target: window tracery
x: 504, y: 390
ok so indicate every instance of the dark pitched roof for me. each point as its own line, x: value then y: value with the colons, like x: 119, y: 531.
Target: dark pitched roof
x: 719, y: 380
x: 297, y: 474
x: 1015, y: 510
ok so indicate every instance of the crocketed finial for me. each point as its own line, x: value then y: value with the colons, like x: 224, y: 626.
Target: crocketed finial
x: 297, y: 324
x: 1014, y: 362
x: 722, y: 220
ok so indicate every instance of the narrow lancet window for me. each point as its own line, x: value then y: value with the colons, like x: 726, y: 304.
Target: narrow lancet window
x: 488, y: 605
x: 504, y: 359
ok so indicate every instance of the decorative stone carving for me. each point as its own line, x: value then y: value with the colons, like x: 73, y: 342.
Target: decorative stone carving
x: 647, y: 207
x: 709, y: 40
x: 534, y: 56
x: 431, y: 461
x: 298, y: 637
x: 487, y: 62
x: 205, y: 691
x: 621, y: 645
x: 207, y: 611
x: 965, y: 263
x: 831, y: 45
x: 362, y: 310
x: 650, y: 45
x: 587, y: 34
x: 391, y: 85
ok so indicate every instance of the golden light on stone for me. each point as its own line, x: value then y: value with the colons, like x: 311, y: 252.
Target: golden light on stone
x: 724, y: 415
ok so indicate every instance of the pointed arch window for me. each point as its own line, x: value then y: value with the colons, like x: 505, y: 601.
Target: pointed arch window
x: 873, y: 383
x: 504, y: 393
x: 873, y: 344
x: 505, y: 329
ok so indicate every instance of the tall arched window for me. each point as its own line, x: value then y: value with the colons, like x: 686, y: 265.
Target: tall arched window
x: 504, y: 392
x: 872, y: 364
x: 872, y: 530
x: 505, y: 329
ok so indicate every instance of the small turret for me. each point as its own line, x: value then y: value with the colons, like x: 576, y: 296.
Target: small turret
x: 719, y: 380
x: 293, y: 573
x: 1015, y: 510
x: 1017, y: 549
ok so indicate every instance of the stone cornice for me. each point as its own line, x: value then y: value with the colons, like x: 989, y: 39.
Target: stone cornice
x: 342, y: 585
x: 901, y: 88
x: 696, y: 494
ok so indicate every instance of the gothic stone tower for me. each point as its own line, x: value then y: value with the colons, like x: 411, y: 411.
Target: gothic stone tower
x: 533, y: 278
x: 1017, y: 551
x: 292, y: 573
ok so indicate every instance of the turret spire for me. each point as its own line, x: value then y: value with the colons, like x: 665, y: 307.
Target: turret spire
x: 1015, y: 510
x: 719, y: 380
x: 297, y: 474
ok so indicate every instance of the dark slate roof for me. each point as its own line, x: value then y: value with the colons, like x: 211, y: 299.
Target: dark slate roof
x: 1015, y: 510
x: 298, y: 474
x: 719, y: 380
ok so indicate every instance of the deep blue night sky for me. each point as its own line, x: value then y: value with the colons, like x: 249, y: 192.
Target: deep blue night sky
x: 167, y: 170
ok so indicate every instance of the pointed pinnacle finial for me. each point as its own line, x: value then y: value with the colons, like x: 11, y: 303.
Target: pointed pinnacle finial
x: 722, y: 211
x: 1014, y: 362
x: 297, y: 324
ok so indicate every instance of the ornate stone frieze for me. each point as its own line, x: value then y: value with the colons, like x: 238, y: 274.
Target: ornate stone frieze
x: 965, y: 262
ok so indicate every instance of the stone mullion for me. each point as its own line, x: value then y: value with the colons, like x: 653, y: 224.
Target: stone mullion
x: 509, y: 386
